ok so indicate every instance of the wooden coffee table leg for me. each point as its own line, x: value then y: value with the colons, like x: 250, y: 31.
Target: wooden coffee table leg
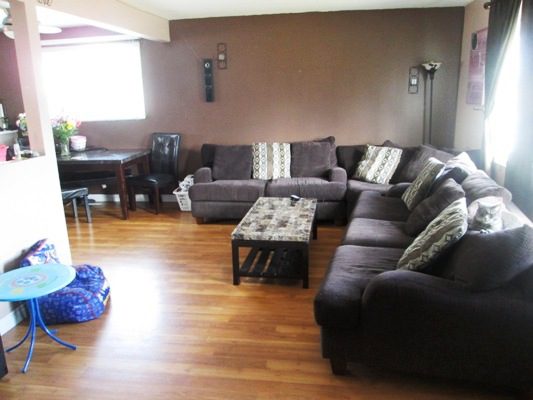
x: 305, y: 267
x: 235, y: 257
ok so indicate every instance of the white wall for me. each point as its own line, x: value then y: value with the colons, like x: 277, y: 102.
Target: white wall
x: 30, y: 196
x: 30, y: 209
x: 469, y: 123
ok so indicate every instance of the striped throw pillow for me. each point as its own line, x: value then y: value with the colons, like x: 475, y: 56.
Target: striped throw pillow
x: 446, y: 229
x: 419, y: 189
x: 378, y: 164
x: 271, y: 160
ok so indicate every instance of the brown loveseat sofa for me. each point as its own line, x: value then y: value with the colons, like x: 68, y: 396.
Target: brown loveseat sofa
x: 436, y: 322
x: 224, y: 189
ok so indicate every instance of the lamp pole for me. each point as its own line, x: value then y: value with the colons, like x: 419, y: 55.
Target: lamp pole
x: 431, y: 67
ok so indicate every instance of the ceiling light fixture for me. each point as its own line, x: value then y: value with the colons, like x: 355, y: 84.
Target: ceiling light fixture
x: 7, y: 26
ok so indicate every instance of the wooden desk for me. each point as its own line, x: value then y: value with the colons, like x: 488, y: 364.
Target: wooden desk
x: 108, y: 160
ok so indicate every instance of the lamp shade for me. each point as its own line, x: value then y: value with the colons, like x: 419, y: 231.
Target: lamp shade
x: 431, y: 66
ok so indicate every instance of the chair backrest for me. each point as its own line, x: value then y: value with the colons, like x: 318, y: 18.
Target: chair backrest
x: 165, y: 150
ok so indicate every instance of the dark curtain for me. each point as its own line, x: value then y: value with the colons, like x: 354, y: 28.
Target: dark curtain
x: 519, y: 170
x: 502, y: 18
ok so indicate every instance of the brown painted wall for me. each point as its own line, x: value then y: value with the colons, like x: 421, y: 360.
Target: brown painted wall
x: 297, y: 76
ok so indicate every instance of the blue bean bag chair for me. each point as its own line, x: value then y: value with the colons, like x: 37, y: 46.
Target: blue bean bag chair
x: 82, y: 300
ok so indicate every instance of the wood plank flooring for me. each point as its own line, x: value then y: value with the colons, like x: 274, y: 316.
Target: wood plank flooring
x: 176, y: 327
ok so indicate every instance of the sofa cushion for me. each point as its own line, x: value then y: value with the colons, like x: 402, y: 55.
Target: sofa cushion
x: 418, y: 161
x: 232, y: 162
x: 314, y: 188
x: 373, y: 205
x: 357, y: 187
x: 378, y: 164
x: 349, y: 156
x: 398, y: 189
x: 445, y: 230
x: 338, y: 301
x: 456, y: 168
x: 407, y: 154
x: 430, y: 207
x: 478, y: 185
x: 463, y: 161
x: 419, y: 189
x: 228, y: 190
x: 207, y: 153
x: 310, y: 159
x: 332, y: 150
x: 271, y: 160
x: 376, y: 233
x: 485, y: 261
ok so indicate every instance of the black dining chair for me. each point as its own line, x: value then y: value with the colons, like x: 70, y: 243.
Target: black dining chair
x: 163, y: 170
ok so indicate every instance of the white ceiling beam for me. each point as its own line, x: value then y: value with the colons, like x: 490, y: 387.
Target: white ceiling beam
x: 112, y: 15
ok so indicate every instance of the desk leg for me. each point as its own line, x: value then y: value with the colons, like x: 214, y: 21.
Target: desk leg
x: 235, y: 259
x: 122, y: 192
x: 305, y: 267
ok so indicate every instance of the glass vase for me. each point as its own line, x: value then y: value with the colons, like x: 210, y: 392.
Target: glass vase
x: 64, y: 149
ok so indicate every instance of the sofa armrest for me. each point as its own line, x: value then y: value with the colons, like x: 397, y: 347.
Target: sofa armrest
x: 397, y: 190
x: 431, y: 317
x: 203, y: 175
x: 337, y: 174
x: 446, y: 330
x: 416, y: 292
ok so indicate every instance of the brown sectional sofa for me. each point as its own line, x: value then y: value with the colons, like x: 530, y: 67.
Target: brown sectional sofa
x: 368, y: 311
x: 429, y: 322
x: 224, y: 188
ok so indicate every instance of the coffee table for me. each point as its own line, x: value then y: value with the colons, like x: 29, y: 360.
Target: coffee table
x: 278, y: 232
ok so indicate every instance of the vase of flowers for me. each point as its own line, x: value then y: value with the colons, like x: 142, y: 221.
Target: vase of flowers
x: 63, y: 128
x: 22, y: 127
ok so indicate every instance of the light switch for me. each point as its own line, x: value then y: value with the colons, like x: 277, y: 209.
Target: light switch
x: 412, y: 87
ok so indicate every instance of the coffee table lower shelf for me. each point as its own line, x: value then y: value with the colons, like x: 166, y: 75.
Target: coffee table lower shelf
x: 273, y: 260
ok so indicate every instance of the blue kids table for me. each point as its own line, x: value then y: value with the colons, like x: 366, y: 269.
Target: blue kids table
x: 28, y: 284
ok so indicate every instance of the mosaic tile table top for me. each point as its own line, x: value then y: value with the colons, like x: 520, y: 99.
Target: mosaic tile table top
x: 276, y: 219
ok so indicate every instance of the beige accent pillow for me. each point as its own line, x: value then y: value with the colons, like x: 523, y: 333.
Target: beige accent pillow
x: 378, y: 164
x: 271, y: 160
x: 446, y: 229
x: 419, y: 189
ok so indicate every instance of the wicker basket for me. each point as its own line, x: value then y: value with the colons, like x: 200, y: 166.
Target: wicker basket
x: 183, y: 199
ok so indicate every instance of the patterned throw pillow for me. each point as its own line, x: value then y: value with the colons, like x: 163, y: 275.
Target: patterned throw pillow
x: 419, y: 189
x: 449, y: 226
x: 271, y: 160
x: 378, y: 164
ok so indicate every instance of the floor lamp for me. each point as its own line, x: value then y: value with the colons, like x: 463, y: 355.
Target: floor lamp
x: 431, y: 67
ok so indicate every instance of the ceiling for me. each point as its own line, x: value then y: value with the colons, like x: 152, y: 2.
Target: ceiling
x: 183, y: 9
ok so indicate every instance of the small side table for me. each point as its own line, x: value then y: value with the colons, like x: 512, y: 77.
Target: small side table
x: 28, y: 284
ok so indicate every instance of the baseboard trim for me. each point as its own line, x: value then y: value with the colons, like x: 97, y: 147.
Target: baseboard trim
x: 142, y: 198
x: 12, y: 319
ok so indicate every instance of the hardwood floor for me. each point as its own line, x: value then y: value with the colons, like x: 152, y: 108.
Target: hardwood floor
x: 176, y: 327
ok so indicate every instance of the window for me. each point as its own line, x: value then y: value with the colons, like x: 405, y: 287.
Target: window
x: 94, y: 82
x: 502, y: 125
